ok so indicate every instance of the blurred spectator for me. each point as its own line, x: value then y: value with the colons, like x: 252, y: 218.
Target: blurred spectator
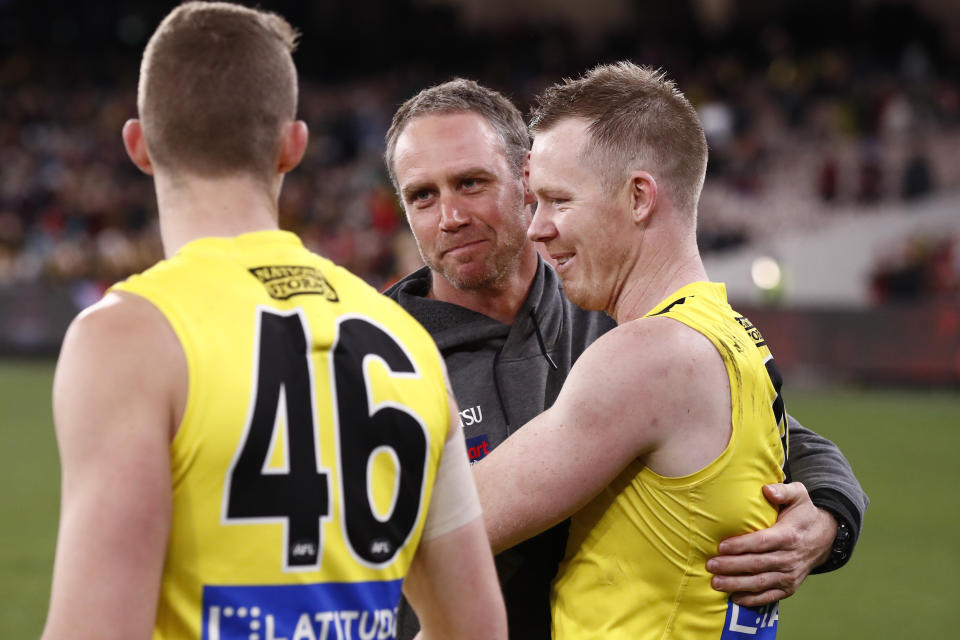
x: 925, y: 266
x: 870, y: 172
x: 828, y: 178
x: 917, y: 178
x: 779, y: 113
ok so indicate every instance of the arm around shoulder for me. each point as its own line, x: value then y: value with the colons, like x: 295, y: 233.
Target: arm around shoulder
x: 114, y: 396
x: 612, y: 411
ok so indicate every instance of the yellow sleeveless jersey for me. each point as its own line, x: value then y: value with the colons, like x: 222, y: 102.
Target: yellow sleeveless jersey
x: 305, y: 460
x: 635, y: 565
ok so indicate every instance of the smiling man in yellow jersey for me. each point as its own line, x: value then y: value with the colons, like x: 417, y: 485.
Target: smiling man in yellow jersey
x: 255, y: 443
x: 668, y: 426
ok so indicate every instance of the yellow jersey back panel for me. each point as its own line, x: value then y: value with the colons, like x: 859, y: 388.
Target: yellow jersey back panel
x: 305, y: 460
x: 635, y: 565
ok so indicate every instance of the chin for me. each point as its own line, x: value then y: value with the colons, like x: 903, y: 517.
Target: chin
x: 468, y: 279
x: 581, y: 297
x: 461, y: 276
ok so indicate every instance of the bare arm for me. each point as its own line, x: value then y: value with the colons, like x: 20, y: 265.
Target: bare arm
x: 614, y: 408
x: 114, y: 419
x: 452, y: 583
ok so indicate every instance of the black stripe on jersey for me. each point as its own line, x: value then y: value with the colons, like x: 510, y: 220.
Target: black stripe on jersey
x: 669, y: 306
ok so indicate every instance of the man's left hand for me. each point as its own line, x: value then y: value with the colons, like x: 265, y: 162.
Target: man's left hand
x: 764, y: 566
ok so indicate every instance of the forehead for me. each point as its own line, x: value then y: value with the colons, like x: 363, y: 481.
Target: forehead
x: 444, y: 144
x: 558, y: 154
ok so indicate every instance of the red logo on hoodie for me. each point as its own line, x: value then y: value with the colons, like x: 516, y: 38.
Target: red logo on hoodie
x: 477, y: 448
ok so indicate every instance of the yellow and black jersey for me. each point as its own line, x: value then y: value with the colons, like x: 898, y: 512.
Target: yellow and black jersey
x: 635, y: 565
x: 305, y: 460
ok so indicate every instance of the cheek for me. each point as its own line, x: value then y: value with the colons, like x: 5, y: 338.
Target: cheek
x: 598, y: 244
x: 509, y: 206
x: 570, y: 225
x: 423, y: 230
x: 496, y: 211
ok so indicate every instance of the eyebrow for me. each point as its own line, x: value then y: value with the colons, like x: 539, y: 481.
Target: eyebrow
x: 408, y: 190
x: 551, y: 191
x: 471, y: 172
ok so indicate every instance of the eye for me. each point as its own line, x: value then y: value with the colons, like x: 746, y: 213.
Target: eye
x: 553, y: 200
x: 420, y: 197
x: 471, y: 184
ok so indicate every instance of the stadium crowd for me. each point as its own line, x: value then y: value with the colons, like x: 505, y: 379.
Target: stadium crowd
x: 923, y: 265
x: 793, y: 135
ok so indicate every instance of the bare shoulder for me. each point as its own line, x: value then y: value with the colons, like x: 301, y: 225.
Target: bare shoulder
x: 650, y: 349
x: 117, y: 317
x: 689, y: 390
x: 120, y: 335
x: 119, y: 348
x: 657, y: 378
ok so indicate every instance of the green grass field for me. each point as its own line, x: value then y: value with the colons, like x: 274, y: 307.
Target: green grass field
x: 901, y: 583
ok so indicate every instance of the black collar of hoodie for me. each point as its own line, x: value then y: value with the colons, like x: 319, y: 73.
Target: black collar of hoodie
x: 453, y: 326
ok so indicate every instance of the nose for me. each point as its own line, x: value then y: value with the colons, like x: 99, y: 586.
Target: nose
x: 452, y: 215
x: 541, y: 227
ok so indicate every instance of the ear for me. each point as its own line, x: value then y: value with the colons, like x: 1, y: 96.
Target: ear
x: 136, y: 146
x: 528, y: 197
x: 293, y: 144
x: 643, y: 195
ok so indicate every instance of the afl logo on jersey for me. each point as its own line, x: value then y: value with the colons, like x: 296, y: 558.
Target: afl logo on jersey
x: 381, y: 548
x: 284, y: 282
x: 304, y: 550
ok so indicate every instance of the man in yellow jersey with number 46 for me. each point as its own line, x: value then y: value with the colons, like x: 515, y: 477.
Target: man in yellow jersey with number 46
x: 255, y: 444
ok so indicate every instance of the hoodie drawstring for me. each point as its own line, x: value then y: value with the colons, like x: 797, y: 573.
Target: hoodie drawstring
x: 496, y: 360
x: 496, y: 387
x: 543, y: 348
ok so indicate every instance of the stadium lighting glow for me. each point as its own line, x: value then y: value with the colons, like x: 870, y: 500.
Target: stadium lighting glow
x: 766, y: 273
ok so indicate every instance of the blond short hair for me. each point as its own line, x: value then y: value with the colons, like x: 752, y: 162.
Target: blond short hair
x: 217, y: 82
x: 638, y: 119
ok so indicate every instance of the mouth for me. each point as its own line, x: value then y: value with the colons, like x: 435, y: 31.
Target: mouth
x: 562, y: 259
x: 463, y: 248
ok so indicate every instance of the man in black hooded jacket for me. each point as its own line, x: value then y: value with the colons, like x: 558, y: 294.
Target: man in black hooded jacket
x: 456, y: 153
